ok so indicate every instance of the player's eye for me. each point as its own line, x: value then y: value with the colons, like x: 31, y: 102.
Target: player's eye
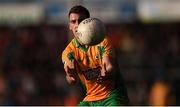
x: 73, y: 21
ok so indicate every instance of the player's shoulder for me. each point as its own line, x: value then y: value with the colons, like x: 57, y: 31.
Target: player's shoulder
x: 69, y: 50
x: 69, y: 47
x: 106, y: 41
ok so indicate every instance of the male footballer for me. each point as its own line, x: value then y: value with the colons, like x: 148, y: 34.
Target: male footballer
x: 95, y: 66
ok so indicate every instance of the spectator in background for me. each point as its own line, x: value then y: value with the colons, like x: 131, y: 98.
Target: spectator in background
x: 161, y: 94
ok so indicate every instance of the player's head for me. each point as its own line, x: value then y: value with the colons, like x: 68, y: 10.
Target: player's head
x: 76, y: 15
x: 79, y: 10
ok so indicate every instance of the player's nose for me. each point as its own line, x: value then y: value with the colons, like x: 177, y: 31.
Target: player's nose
x: 76, y: 26
x: 77, y: 23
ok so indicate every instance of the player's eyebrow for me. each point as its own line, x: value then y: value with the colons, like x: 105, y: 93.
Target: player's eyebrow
x: 74, y: 20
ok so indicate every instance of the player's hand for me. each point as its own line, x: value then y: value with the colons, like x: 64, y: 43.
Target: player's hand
x: 70, y: 72
x: 102, y: 77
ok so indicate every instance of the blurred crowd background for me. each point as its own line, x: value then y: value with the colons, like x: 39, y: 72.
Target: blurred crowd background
x: 33, y: 33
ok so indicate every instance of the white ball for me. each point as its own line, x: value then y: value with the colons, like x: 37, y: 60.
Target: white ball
x: 91, y: 31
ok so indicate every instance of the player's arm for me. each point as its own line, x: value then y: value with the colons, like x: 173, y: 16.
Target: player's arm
x: 71, y: 75
x: 107, y: 70
x: 107, y: 67
x: 69, y: 66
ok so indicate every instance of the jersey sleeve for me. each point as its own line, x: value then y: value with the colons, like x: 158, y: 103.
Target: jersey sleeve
x: 68, y: 54
x: 107, y: 49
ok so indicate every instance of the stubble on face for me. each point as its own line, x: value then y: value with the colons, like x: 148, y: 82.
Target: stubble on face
x: 74, y: 20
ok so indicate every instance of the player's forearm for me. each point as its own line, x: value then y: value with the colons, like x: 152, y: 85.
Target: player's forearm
x: 108, y: 63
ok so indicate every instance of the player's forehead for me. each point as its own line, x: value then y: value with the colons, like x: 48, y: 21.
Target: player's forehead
x: 76, y: 16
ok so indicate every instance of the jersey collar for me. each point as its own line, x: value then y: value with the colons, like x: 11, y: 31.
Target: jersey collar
x: 78, y: 45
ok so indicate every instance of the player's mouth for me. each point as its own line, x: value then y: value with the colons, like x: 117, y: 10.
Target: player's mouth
x: 76, y: 32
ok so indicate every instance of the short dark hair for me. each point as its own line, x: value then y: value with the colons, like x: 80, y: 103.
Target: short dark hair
x: 79, y: 9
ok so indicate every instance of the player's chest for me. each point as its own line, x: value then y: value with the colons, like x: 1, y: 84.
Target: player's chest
x: 90, y: 58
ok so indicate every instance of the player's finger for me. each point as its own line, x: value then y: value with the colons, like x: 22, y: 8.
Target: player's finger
x: 68, y: 70
x: 100, y: 79
x: 72, y: 78
x: 103, y: 70
x: 72, y: 64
